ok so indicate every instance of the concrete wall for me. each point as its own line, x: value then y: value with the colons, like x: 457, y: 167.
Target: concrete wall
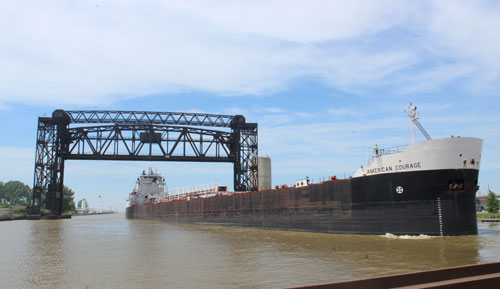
x: 5, y: 212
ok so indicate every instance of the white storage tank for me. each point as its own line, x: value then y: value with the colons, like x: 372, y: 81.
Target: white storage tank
x: 264, y: 173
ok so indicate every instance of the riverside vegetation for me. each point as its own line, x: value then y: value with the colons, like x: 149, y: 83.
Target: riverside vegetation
x: 492, y: 203
x: 492, y: 207
x: 486, y: 215
x: 15, y: 196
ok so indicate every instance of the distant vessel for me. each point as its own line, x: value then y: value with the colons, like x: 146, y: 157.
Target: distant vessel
x: 426, y: 187
x: 149, y: 187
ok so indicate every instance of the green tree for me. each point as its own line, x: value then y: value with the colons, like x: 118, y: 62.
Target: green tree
x: 68, y: 200
x: 492, y: 203
x: 17, y: 193
x: 2, y: 194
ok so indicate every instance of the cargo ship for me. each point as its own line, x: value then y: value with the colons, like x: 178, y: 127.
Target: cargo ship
x: 426, y: 187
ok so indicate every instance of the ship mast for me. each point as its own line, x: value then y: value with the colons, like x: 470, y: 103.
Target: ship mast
x: 413, y: 114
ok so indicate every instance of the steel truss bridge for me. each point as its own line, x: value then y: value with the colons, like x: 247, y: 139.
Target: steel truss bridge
x: 138, y: 136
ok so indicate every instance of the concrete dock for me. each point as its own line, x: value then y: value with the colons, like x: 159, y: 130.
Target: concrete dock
x: 478, y: 276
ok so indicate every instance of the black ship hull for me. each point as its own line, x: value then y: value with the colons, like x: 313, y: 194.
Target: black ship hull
x: 434, y: 202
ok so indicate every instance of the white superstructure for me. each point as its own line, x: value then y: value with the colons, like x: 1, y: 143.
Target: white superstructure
x: 434, y: 154
x: 149, y: 186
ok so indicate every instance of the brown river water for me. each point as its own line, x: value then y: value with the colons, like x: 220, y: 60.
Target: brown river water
x: 108, y: 251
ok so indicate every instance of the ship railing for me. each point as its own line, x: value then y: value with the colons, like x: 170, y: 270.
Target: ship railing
x: 388, y: 151
x: 190, y: 189
x: 322, y: 179
x: 341, y: 176
x: 189, y: 192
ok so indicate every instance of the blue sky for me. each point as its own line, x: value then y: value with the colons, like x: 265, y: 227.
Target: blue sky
x: 324, y: 79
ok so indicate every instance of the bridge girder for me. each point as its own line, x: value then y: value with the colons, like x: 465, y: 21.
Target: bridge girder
x: 149, y: 117
x: 149, y: 142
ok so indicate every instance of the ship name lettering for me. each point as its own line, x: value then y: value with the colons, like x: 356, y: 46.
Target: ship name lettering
x: 408, y: 166
x: 400, y: 167
x: 379, y: 170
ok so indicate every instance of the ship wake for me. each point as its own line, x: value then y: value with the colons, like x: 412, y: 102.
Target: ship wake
x: 407, y: 237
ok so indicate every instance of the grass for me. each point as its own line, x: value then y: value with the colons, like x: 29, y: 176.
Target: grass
x: 19, y: 210
x: 66, y: 215
x: 488, y: 215
x: 15, y: 209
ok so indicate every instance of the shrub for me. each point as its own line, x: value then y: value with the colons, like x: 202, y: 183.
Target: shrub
x: 492, y: 203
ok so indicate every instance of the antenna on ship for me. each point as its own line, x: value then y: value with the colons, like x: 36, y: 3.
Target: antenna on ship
x: 413, y: 114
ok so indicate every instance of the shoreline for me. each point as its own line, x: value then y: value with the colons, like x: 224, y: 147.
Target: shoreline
x: 24, y: 216
x: 13, y: 217
x: 93, y: 214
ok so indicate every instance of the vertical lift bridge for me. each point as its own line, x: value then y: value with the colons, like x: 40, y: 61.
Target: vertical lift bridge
x: 138, y: 136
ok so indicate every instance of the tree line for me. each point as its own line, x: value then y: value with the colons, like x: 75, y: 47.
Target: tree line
x: 16, y: 193
x: 492, y: 203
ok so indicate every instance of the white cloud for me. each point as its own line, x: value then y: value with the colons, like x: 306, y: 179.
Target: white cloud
x: 85, y: 54
x: 468, y: 29
x: 437, y: 77
x: 299, y: 21
x: 465, y: 34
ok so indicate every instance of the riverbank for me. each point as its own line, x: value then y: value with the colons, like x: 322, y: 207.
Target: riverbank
x: 12, y: 217
x: 485, y: 215
x: 18, y: 213
x: 95, y: 213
